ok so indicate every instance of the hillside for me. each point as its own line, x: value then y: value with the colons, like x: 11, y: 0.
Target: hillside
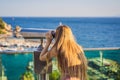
x: 5, y: 29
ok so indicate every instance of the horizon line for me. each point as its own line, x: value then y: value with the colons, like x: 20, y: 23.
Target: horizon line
x: 68, y: 16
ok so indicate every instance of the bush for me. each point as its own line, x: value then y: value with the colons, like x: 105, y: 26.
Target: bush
x: 55, y: 75
x: 2, y: 24
x: 28, y: 75
x: 1, y: 32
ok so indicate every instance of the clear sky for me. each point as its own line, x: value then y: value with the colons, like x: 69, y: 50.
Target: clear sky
x: 61, y: 8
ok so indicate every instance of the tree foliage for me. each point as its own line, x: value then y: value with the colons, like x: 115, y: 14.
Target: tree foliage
x: 2, y: 24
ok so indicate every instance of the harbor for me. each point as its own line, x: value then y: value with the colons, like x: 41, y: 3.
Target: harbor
x: 14, y: 45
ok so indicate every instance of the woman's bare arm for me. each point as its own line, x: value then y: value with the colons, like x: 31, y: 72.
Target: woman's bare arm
x: 44, y: 52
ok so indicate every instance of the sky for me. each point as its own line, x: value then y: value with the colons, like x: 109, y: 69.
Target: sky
x: 60, y: 8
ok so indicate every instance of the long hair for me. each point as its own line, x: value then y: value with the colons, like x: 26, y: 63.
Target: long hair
x: 70, y: 55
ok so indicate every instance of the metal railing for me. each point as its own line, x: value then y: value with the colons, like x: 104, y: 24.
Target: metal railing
x: 38, y: 66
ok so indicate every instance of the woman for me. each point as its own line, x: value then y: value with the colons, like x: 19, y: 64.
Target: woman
x: 70, y: 56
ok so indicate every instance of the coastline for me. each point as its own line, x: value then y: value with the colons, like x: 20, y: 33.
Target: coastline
x: 18, y: 45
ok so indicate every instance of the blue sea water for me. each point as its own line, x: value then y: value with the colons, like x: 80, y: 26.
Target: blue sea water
x: 89, y: 32
x: 15, y: 65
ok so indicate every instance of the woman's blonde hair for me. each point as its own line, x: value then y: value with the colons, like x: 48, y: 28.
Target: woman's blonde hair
x: 70, y: 55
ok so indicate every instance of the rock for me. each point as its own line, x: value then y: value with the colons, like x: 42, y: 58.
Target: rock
x: 17, y: 28
x: 17, y: 31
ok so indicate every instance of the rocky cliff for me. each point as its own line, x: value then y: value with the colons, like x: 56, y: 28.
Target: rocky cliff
x: 5, y: 28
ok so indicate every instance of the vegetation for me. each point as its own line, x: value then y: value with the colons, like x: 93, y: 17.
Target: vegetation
x: 55, y: 75
x: 109, y: 71
x: 2, y: 32
x: 2, y: 26
x: 28, y: 75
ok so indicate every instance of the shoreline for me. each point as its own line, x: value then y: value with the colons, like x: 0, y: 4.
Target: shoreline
x: 18, y: 45
x: 13, y: 45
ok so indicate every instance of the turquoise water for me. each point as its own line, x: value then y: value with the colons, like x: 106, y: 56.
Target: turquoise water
x: 15, y: 65
x: 108, y: 54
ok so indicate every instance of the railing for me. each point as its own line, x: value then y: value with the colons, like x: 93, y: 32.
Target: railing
x: 100, y: 62
x: 16, y: 64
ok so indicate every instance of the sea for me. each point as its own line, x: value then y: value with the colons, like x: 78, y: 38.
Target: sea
x: 89, y: 32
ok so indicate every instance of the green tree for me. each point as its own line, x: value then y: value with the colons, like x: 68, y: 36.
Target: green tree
x: 55, y: 75
x: 28, y: 75
x: 2, y: 24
